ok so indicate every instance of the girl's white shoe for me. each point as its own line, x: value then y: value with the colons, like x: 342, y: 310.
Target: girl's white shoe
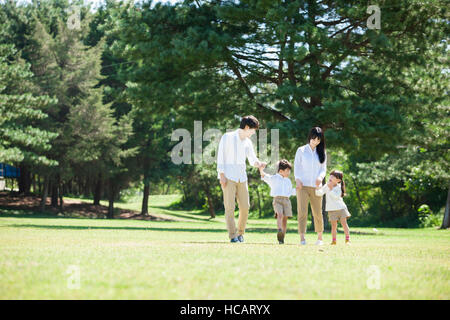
x: 319, y: 242
x: 303, y: 242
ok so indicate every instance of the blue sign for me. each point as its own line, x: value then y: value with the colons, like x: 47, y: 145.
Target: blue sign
x: 8, y: 171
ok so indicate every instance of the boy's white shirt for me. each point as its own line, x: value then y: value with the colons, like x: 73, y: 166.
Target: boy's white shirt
x: 231, y: 155
x: 307, y: 167
x: 279, y: 185
x: 333, y: 197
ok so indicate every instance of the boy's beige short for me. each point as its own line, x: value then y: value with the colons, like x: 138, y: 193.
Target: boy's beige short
x: 336, y: 215
x: 282, y: 205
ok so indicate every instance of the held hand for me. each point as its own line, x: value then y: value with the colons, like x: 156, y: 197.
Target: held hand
x: 223, y: 181
x: 299, y: 184
x: 318, y: 182
x: 262, y: 165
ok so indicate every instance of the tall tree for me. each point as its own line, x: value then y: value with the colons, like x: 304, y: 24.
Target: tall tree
x: 22, y: 139
x: 69, y: 70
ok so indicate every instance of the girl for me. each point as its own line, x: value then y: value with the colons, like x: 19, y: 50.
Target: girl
x: 310, y: 167
x: 335, y: 206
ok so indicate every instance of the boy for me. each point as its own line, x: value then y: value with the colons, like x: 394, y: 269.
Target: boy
x: 280, y: 189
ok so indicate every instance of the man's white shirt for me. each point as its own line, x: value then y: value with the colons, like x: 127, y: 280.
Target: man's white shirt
x: 307, y: 166
x: 279, y: 185
x: 231, y: 155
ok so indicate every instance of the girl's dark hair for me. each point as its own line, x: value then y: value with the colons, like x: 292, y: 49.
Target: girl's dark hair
x: 283, y: 164
x: 338, y: 174
x: 317, y: 132
x: 249, y: 121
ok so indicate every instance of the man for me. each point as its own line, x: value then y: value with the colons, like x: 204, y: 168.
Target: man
x: 234, y: 148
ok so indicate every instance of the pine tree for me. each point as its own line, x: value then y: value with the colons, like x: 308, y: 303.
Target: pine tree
x: 22, y: 139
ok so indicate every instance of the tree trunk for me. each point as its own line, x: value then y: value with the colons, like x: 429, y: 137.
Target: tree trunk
x: 44, y: 194
x: 144, y: 210
x: 98, y: 190
x: 111, y: 196
x: 86, y: 191
x: 326, y: 225
x: 61, y: 194
x: 54, y: 188
x: 259, y: 203
x: 24, y: 180
x: 33, y: 182
x: 212, y: 212
x: 39, y: 184
x: 446, y: 220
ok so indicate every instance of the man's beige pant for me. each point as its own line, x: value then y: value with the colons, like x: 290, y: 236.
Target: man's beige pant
x: 232, y: 191
x: 304, y: 197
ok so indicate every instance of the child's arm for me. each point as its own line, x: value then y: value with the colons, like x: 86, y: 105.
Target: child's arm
x: 261, y: 171
x: 264, y: 176
x: 320, y: 191
x: 335, y: 193
x: 326, y: 188
x: 294, y: 192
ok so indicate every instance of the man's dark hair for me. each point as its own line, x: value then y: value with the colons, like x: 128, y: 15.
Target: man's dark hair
x: 283, y: 164
x: 249, y: 121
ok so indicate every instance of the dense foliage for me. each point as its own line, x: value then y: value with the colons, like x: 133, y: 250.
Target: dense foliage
x: 108, y: 87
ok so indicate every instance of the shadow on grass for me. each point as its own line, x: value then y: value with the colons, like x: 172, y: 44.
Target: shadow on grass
x: 185, y: 216
x: 245, y: 243
x: 152, y: 228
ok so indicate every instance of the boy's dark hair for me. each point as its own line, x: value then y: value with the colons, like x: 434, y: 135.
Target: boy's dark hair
x: 249, y: 121
x: 283, y: 164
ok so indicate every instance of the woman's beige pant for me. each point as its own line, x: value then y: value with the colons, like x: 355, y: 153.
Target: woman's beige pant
x: 304, y: 196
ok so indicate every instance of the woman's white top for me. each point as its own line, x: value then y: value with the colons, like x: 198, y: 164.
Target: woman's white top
x: 333, y: 197
x: 307, y: 167
x: 232, y: 154
x: 279, y: 185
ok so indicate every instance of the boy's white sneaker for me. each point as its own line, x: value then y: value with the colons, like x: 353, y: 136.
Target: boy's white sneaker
x: 303, y: 242
x: 319, y: 242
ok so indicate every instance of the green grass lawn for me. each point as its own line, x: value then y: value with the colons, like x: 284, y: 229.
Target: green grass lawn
x: 191, y: 258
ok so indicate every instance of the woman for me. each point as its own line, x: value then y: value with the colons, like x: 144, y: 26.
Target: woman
x: 310, y: 167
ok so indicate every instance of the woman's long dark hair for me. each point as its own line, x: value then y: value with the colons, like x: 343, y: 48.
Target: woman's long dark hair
x: 317, y: 132
x: 338, y: 174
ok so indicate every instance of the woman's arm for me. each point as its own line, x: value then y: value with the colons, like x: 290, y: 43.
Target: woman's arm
x: 323, y: 170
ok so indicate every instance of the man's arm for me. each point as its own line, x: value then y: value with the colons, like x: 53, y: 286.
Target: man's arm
x: 221, y: 161
x: 220, y: 156
x: 251, y: 156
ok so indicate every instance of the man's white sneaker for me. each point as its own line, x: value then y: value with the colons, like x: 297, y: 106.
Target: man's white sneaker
x: 303, y: 242
x: 319, y: 242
